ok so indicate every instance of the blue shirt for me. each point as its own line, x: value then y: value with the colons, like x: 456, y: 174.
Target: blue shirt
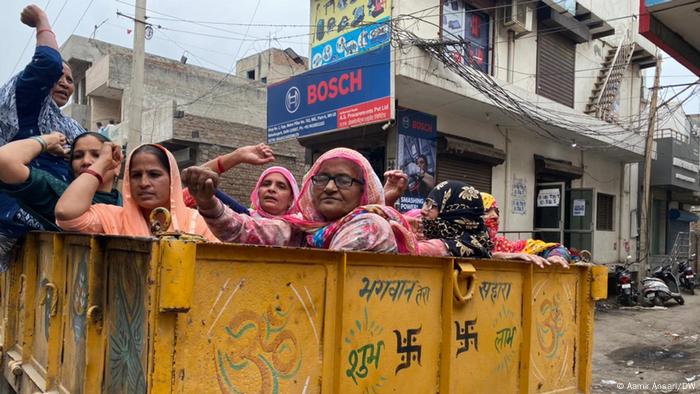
x: 34, y: 84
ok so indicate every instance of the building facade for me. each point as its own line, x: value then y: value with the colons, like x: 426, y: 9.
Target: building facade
x: 539, y: 103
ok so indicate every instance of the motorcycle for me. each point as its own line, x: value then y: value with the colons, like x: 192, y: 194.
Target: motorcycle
x: 686, y: 277
x: 664, y: 273
x: 626, y: 293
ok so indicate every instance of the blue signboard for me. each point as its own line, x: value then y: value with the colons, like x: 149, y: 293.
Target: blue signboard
x: 417, y: 154
x: 350, y: 93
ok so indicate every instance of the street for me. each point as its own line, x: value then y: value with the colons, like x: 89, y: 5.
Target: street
x: 647, y: 350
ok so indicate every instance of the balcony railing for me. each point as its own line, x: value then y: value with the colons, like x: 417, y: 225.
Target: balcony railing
x: 671, y: 133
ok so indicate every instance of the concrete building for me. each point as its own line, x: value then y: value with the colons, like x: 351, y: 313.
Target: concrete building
x: 196, y: 112
x: 675, y: 178
x: 572, y: 175
x: 271, y: 65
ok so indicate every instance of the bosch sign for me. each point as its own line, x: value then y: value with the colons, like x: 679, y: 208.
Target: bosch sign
x: 349, y: 93
x: 345, y: 84
x: 417, y: 124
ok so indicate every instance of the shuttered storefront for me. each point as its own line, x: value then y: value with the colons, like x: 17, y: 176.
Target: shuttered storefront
x: 556, y: 62
x: 477, y: 174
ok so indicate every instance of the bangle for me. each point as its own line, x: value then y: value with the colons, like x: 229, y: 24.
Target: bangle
x: 95, y: 174
x: 45, y: 30
x: 44, y: 145
x: 219, y: 165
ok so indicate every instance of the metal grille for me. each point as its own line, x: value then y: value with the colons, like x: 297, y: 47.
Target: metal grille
x: 556, y: 61
x: 471, y: 172
x: 605, y: 212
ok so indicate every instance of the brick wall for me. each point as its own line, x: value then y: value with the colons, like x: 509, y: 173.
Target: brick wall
x: 216, y: 137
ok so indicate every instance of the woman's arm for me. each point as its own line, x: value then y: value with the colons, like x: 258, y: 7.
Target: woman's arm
x: 16, y: 156
x: 77, y: 199
x: 33, y: 16
x: 395, y: 185
x: 532, y: 258
x: 253, y: 154
x: 229, y: 226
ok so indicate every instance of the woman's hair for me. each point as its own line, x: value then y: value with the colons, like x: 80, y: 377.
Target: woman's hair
x: 155, y: 151
x: 101, y: 137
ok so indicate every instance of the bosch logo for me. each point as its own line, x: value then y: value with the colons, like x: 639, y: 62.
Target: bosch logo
x: 292, y: 100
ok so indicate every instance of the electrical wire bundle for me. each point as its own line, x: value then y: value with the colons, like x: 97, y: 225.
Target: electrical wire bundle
x: 452, y: 52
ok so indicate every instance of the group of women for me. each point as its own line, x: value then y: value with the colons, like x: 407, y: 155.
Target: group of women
x: 341, y: 205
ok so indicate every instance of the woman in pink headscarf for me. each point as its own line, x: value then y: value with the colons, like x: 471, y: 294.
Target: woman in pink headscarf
x: 341, y: 205
x: 275, y: 194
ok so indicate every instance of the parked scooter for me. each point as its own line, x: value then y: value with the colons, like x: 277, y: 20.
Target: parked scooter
x: 654, y: 292
x: 686, y: 277
x: 627, y: 294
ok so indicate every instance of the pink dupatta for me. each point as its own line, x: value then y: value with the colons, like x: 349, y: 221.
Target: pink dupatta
x: 256, y: 210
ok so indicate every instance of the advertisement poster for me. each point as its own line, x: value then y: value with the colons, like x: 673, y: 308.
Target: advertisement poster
x: 342, y: 28
x: 417, y: 155
x: 462, y: 22
x: 579, y: 207
x: 351, y: 93
x: 548, y: 198
x: 519, y: 196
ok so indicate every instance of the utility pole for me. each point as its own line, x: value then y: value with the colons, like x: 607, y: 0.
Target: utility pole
x: 646, y: 202
x: 135, y: 109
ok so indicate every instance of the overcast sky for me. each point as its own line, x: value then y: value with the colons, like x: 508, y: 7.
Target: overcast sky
x: 177, y: 35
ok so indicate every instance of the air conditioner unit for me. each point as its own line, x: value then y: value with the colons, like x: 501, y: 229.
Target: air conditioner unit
x: 518, y: 16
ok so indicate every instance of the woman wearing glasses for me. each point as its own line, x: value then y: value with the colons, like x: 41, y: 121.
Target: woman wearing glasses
x: 341, y: 204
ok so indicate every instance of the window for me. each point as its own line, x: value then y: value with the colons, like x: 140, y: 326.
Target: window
x: 251, y: 74
x: 461, y: 21
x: 605, y: 209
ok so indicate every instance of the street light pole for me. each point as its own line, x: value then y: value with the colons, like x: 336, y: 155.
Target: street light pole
x: 135, y: 108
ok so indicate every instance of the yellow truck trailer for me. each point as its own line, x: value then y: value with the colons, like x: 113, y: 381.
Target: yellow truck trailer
x: 90, y: 314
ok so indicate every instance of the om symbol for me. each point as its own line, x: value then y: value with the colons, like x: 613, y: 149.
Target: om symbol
x: 550, y: 326
x: 258, y: 341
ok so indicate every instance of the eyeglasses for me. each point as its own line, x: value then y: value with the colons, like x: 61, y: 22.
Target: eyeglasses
x: 342, y: 181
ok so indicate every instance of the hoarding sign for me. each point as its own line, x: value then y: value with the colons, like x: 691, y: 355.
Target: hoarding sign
x: 354, y: 92
x: 342, y: 28
x: 464, y: 22
x: 417, y: 154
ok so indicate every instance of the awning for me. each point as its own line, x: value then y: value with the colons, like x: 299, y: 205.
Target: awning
x: 682, y: 216
x: 470, y: 150
x: 556, y: 170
